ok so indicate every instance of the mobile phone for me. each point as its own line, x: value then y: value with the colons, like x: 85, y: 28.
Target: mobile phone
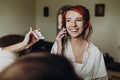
x: 64, y: 39
x: 37, y: 34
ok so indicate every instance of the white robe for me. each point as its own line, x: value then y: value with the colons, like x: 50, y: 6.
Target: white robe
x: 6, y: 58
x: 92, y: 66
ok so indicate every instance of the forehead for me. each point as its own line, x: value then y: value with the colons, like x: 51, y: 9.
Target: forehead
x: 73, y: 14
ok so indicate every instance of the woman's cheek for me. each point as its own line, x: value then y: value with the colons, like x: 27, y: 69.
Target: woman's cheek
x: 80, y: 24
x: 67, y: 24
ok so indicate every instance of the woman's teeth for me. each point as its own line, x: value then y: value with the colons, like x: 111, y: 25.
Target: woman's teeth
x: 73, y: 30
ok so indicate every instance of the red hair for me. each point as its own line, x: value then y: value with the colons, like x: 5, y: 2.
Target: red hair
x: 85, y: 13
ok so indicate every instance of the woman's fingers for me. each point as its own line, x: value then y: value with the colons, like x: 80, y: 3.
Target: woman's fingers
x: 62, y: 33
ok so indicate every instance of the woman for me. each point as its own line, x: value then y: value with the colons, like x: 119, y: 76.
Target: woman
x: 74, y: 43
x: 59, y: 15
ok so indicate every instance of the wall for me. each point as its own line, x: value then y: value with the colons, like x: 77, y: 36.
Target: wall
x: 106, y: 33
x: 16, y: 16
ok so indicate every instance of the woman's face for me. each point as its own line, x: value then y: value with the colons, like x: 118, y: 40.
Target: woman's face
x: 74, y: 23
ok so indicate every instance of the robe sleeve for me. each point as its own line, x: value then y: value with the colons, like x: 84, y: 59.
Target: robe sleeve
x: 100, y: 72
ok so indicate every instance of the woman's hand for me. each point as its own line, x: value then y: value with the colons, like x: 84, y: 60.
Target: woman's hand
x: 59, y: 37
x: 30, y: 39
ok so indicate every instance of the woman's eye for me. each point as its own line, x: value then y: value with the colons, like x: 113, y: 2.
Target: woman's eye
x: 68, y: 20
x: 79, y: 20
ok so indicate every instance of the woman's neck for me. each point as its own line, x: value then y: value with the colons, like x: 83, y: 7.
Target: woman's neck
x: 77, y: 41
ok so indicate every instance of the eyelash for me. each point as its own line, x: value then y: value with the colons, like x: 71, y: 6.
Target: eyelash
x: 67, y: 20
x: 76, y: 20
x: 79, y: 20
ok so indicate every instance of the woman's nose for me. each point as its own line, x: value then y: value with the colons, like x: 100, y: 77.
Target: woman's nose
x: 73, y: 23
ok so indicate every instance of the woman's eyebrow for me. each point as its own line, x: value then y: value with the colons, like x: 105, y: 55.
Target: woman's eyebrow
x: 68, y: 18
x: 80, y: 18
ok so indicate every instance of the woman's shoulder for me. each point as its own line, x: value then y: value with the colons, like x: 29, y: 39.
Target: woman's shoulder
x: 93, y: 48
